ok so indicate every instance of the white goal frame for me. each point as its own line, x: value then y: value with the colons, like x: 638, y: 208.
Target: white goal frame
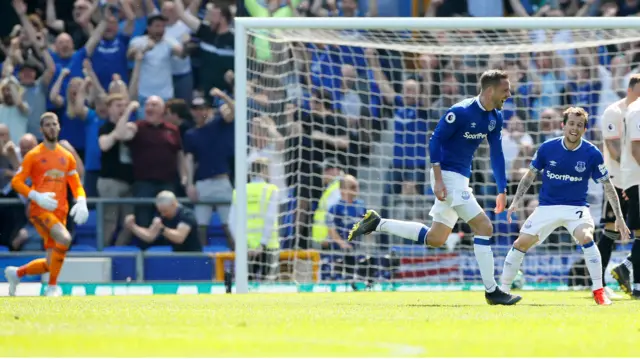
x: 243, y: 24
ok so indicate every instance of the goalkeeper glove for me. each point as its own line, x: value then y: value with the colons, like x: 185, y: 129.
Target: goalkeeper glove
x: 45, y: 200
x: 79, y: 211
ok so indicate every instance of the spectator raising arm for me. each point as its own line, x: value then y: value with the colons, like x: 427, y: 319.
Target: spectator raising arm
x: 135, y: 75
x: 17, y: 96
x: 189, y: 18
x: 21, y: 9
x: 80, y: 108
x: 130, y: 15
x: 96, y: 35
x: 194, y: 6
x: 122, y: 132
x: 387, y: 90
x: 49, y: 64
x: 54, y: 95
x: 150, y: 8
x: 79, y: 163
x: 52, y: 20
x: 96, y: 90
x: 217, y: 93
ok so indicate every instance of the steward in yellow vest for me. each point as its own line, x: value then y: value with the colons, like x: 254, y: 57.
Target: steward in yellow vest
x: 263, y: 240
x: 330, y: 196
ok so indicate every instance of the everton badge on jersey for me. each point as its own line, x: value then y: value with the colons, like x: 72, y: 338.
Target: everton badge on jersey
x: 581, y: 166
x: 492, y: 125
x: 450, y: 117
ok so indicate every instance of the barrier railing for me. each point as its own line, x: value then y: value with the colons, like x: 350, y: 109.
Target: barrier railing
x: 99, y: 204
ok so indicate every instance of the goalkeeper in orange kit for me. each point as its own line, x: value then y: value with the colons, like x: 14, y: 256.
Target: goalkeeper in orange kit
x: 50, y: 168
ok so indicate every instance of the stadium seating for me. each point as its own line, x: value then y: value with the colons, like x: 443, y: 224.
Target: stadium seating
x: 160, y: 249
x: 215, y: 233
x: 215, y: 249
x: 79, y: 247
x: 122, y: 249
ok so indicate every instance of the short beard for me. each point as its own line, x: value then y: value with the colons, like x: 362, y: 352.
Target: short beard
x: 51, y: 139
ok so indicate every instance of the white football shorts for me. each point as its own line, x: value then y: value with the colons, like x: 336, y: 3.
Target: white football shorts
x: 546, y: 219
x: 460, y: 201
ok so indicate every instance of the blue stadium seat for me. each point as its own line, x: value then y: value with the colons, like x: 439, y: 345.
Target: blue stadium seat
x: 160, y: 249
x: 82, y: 248
x: 4, y: 249
x: 122, y: 249
x: 216, y: 249
x: 217, y: 240
x: 215, y: 220
x: 85, y: 239
x: 90, y: 226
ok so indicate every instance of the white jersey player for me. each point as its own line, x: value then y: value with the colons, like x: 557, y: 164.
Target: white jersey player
x: 566, y: 164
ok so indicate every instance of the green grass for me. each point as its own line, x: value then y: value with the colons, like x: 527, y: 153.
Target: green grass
x: 334, y: 324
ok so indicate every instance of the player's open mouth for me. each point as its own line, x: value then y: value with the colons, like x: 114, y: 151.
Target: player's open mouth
x: 573, y: 133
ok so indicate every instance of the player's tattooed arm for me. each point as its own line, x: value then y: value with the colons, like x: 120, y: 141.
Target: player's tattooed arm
x: 523, y: 186
x: 612, y: 197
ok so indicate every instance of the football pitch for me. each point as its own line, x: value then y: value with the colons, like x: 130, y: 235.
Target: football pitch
x: 567, y: 324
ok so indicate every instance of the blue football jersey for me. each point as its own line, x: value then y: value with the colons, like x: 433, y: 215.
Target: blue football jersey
x: 459, y: 133
x: 342, y: 216
x: 566, y: 173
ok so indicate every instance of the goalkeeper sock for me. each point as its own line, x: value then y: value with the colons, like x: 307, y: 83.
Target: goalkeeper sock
x: 35, y: 267
x: 605, y: 245
x: 512, y: 264
x: 484, y: 256
x: 414, y: 231
x: 57, y: 259
x: 594, y: 264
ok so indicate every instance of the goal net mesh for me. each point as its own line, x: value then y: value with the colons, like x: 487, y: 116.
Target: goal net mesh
x: 325, y: 103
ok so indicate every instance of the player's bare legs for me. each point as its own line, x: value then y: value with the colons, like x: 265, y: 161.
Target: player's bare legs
x: 438, y: 234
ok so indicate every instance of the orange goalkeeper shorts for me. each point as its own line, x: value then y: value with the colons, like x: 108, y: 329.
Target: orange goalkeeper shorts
x: 45, y: 221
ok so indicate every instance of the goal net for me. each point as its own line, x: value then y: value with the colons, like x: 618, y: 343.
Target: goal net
x: 326, y: 103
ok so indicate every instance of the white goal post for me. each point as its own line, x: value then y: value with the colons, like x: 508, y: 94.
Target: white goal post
x: 418, y: 34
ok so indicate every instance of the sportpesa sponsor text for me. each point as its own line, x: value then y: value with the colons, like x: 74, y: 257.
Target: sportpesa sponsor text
x: 570, y: 178
x: 475, y: 136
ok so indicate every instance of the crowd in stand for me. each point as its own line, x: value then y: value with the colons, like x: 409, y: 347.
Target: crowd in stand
x: 144, y: 93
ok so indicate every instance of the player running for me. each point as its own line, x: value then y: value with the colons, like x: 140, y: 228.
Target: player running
x: 452, y: 147
x: 567, y: 162
x: 50, y: 168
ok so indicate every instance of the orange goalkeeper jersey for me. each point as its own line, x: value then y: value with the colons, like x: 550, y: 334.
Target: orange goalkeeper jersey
x: 50, y: 171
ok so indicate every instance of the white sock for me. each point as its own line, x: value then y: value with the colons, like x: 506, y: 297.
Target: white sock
x: 594, y: 264
x: 627, y: 263
x: 484, y: 256
x: 636, y: 286
x: 410, y: 230
x: 511, y: 267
